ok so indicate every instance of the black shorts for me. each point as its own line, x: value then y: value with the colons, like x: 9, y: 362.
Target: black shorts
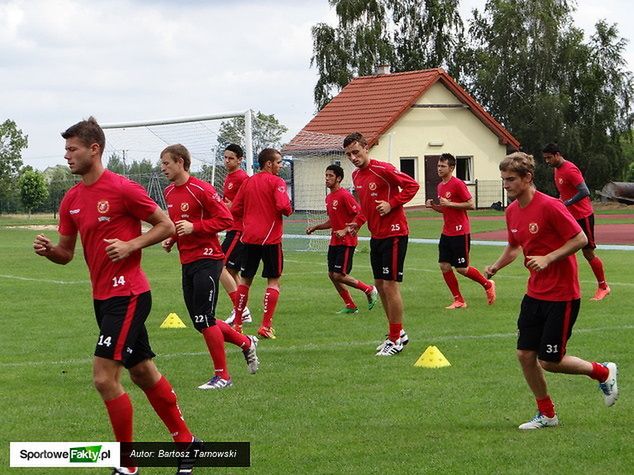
x: 454, y: 249
x: 233, y: 249
x: 122, y: 333
x: 271, y: 256
x: 340, y: 259
x: 587, y: 226
x: 200, y: 291
x: 545, y: 326
x: 387, y: 257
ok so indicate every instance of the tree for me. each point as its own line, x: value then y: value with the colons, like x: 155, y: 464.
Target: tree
x: 117, y: 164
x: 405, y: 34
x: 12, y: 142
x: 267, y: 132
x: 33, y: 191
x: 59, y: 179
x: 537, y: 76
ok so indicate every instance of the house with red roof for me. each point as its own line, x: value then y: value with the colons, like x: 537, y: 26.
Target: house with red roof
x: 409, y: 119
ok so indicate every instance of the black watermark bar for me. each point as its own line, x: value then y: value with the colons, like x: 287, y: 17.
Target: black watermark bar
x: 166, y: 454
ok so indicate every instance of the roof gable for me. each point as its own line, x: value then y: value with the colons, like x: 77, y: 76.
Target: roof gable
x: 372, y: 104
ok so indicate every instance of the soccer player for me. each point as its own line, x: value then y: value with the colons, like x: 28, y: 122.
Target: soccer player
x: 342, y: 208
x: 574, y: 193
x: 260, y: 204
x: 198, y: 214
x: 106, y: 210
x: 231, y: 246
x: 547, y: 234
x: 455, y: 239
x: 382, y: 191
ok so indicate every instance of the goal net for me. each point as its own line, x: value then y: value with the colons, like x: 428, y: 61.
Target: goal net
x: 135, y: 148
x: 309, y: 154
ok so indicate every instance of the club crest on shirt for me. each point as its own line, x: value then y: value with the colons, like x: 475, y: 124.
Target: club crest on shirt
x: 533, y: 228
x: 448, y: 194
x: 229, y: 186
x: 281, y: 189
x: 335, y: 203
x: 184, y: 207
x: 561, y: 180
x: 372, y: 186
x: 103, y: 206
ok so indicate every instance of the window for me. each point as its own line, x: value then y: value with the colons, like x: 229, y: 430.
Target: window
x: 464, y: 168
x: 408, y: 166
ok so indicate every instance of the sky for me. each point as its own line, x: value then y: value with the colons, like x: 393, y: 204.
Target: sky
x: 130, y: 60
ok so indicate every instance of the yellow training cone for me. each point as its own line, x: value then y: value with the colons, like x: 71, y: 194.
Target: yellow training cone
x: 432, y: 358
x: 172, y: 321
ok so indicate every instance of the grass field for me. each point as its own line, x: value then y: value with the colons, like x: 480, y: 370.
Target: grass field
x: 322, y: 402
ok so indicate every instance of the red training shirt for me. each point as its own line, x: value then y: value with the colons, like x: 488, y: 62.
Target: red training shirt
x: 540, y: 228
x: 456, y: 220
x: 232, y: 184
x: 111, y: 208
x: 342, y: 208
x: 567, y: 178
x: 381, y: 181
x: 198, y: 202
x: 260, y: 204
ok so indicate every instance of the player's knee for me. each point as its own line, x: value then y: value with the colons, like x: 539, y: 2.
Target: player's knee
x: 462, y: 270
x: 444, y: 266
x: 104, y: 384
x: 550, y: 366
x: 526, y: 357
x: 144, y: 374
x: 337, y: 276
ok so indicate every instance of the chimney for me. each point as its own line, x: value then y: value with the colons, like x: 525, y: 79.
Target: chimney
x: 383, y: 69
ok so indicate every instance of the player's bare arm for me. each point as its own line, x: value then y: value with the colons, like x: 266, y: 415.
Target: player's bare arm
x: 509, y: 254
x: 470, y: 204
x: 162, y: 228
x: 324, y: 225
x: 538, y: 263
x: 62, y: 253
x: 167, y: 244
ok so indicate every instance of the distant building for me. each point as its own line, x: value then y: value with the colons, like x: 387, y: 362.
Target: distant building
x: 409, y: 119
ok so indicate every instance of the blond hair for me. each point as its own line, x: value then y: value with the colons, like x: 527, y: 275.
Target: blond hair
x: 518, y: 162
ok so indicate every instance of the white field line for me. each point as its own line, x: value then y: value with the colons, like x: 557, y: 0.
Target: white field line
x: 607, y: 247
x: 339, y: 345
x: 356, y: 265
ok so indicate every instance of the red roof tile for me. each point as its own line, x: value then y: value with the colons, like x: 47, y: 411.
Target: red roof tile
x: 372, y: 104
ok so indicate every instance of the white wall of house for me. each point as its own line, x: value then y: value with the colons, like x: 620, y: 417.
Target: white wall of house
x: 432, y: 131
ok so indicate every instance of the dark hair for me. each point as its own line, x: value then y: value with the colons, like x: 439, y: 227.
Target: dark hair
x: 336, y: 169
x: 235, y: 148
x: 518, y: 162
x: 177, y: 151
x: 267, y: 155
x: 88, y: 132
x: 449, y: 158
x: 552, y: 148
x: 355, y: 137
